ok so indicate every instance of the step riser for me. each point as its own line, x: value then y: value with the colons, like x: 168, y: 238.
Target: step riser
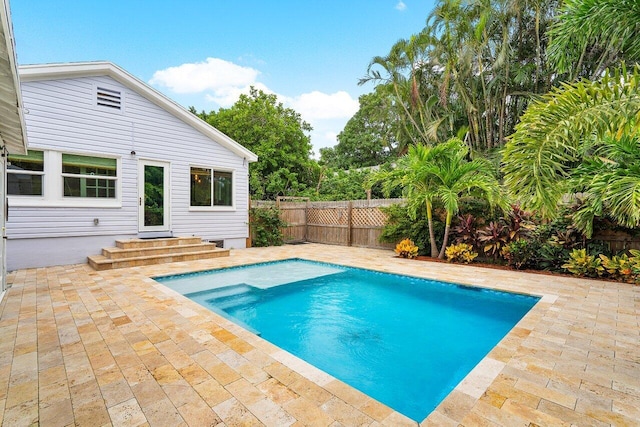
x: 156, y: 259
x: 168, y: 250
x: 140, y: 252
x: 157, y: 243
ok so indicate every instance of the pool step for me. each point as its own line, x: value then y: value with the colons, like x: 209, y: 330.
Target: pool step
x: 139, y: 252
x: 225, y: 291
x: 232, y: 301
x: 226, y: 298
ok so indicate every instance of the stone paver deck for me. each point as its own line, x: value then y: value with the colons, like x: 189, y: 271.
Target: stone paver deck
x: 98, y: 348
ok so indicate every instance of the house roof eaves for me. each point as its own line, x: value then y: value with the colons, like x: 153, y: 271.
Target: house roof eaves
x: 103, y: 68
x: 12, y: 127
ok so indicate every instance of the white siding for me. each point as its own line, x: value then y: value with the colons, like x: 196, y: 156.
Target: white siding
x: 62, y: 117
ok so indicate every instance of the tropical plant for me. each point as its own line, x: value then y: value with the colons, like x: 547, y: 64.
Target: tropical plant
x: 609, y: 180
x: 519, y: 223
x: 623, y: 267
x: 473, y: 68
x: 442, y: 173
x: 460, y: 252
x: 493, y: 237
x: 400, y: 224
x: 581, y: 263
x: 563, y: 136
x: 619, y: 267
x: 465, y: 231
x: 266, y: 226
x: 551, y: 257
x: 522, y: 253
x: 406, y: 249
x: 592, y: 35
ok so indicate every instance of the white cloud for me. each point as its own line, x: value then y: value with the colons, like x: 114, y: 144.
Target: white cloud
x: 227, y: 96
x: 321, y: 106
x: 401, y: 6
x: 223, y: 79
x: 222, y: 82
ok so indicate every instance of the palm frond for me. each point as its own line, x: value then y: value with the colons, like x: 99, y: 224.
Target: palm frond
x: 556, y: 131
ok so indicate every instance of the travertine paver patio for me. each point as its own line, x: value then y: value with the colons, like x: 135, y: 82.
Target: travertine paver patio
x: 115, y: 347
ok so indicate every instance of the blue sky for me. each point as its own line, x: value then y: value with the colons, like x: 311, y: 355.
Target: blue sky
x: 206, y: 53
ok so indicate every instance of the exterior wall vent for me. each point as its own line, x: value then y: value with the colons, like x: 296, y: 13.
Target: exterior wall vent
x: 108, y: 98
x: 219, y: 243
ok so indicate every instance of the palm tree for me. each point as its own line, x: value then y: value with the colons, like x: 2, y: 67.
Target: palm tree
x: 403, y: 70
x: 562, y: 134
x: 609, y: 182
x: 442, y: 173
x: 593, y: 35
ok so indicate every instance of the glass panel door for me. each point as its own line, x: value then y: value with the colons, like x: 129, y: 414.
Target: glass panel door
x: 153, y: 196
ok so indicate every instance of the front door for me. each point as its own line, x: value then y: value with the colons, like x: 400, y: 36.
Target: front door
x: 153, y: 194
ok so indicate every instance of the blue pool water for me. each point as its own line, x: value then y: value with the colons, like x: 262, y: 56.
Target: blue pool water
x: 404, y: 341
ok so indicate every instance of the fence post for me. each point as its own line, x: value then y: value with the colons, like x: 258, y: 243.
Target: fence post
x: 249, y: 241
x: 349, y: 225
x: 306, y: 220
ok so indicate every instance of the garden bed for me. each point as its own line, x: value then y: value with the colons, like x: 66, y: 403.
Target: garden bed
x: 508, y: 268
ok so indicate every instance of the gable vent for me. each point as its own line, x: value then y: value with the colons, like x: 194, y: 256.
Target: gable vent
x: 109, y: 98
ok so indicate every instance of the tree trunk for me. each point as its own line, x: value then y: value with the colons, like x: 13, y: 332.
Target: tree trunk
x: 445, y: 241
x: 432, y: 237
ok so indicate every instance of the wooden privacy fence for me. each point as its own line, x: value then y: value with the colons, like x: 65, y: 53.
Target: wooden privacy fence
x: 347, y: 223
x: 618, y: 241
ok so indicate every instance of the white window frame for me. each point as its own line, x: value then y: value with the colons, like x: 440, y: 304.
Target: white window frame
x: 213, y: 207
x: 28, y: 172
x: 53, y: 191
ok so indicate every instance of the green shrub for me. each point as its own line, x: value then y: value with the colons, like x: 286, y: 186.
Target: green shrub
x: 266, y: 226
x: 399, y: 225
x: 522, y: 253
x: 551, y: 257
x: 581, y: 263
x: 461, y: 252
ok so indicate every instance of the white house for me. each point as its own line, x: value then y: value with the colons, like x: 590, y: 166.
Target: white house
x: 111, y: 158
x: 12, y: 129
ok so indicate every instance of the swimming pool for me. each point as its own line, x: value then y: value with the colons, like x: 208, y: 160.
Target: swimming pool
x: 404, y: 341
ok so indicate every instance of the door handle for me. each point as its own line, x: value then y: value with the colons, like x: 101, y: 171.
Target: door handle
x: 140, y: 198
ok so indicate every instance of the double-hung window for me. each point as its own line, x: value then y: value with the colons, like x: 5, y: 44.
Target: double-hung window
x: 25, y: 174
x: 52, y: 178
x: 88, y: 176
x: 211, y: 187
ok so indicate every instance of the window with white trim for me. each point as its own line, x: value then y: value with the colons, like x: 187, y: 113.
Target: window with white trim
x: 89, y: 176
x: 52, y: 178
x: 211, y: 187
x: 25, y: 174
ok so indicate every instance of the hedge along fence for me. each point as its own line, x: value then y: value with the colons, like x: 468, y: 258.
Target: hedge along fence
x: 346, y: 223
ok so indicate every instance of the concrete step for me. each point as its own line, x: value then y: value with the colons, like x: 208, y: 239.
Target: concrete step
x: 101, y: 262
x: 119, y: 253
x: 155, y: 243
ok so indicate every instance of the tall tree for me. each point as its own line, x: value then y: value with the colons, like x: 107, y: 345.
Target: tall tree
x: 473, y: 68
x: 279, y: 137
x: 369, y: 138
